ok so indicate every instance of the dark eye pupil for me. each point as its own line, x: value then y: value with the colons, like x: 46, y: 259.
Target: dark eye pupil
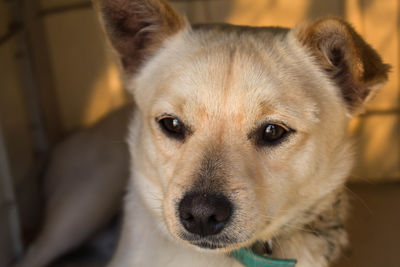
x: 172, y: 124
x: 172, y: 127
x: 273, y: 132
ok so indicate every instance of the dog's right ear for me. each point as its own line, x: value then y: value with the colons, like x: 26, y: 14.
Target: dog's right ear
x: 137, y: 28
x: 346, y: 58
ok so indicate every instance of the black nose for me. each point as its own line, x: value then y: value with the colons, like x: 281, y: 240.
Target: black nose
x: 204, y: 214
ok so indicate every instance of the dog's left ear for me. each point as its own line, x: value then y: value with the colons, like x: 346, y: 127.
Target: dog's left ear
x: 347, y: 59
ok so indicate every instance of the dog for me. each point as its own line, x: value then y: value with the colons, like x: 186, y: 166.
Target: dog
x: 238, y: 137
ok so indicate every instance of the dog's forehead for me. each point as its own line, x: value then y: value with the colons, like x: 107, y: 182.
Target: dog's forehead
x: 228, y: 71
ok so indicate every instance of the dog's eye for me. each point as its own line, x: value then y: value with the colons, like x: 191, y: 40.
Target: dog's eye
x: 270, y: 134
x: 273, y: 133
x: 172, y: 127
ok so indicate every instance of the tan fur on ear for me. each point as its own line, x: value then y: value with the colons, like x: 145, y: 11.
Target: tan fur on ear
x: 348, y: 60
x: 137, y: 28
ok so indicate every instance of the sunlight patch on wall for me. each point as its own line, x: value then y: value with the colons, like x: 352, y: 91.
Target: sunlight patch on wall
x: 271, y: 12
x: 107, y: 94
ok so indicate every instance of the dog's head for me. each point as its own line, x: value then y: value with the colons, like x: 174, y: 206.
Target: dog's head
x: 240, y: 132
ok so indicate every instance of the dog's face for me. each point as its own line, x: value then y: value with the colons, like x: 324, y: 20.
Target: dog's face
x: 240, y: 133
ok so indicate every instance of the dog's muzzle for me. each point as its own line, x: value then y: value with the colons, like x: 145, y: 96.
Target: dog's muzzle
x: 204, y: 214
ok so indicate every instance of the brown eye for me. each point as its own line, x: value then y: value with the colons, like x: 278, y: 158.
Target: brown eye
x: 172, y: 127
x: 270, y: 134
x: 273, y: 133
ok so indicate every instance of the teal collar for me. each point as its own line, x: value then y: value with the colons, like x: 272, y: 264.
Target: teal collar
x: 249, y: 259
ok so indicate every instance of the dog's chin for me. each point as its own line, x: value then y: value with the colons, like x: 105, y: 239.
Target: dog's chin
x: 213, y: 247
x: 211, y: 244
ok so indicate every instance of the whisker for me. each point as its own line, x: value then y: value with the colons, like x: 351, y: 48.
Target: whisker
x: 280, y: 248
x: 353, y: 194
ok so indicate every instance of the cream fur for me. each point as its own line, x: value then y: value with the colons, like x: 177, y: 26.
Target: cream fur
x: 217, y: 79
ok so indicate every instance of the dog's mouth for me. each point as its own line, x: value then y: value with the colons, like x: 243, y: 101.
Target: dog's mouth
x: 221, y: 241
x: 208, y: 245
x: 225, y: 244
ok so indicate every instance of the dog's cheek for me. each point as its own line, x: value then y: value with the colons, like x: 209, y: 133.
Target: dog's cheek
x: 152, y: 167
x: 178, y: 180
x: 156, y: 151
x: 143, y: 176
x: 314, y: 172
x: 285, y: 171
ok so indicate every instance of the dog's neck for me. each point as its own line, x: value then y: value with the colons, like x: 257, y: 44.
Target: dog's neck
x: 262, y: 248
x: 258, y: 255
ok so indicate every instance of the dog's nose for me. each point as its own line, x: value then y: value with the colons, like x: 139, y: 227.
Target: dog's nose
x: 204, y: 214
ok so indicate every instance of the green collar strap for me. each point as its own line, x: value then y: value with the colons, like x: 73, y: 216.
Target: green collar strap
x: 249, y: 259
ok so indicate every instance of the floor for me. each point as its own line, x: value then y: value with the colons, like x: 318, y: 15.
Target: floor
x: 374, y: 227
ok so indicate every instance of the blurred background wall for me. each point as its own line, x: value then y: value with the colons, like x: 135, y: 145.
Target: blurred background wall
x: 57, y: 75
